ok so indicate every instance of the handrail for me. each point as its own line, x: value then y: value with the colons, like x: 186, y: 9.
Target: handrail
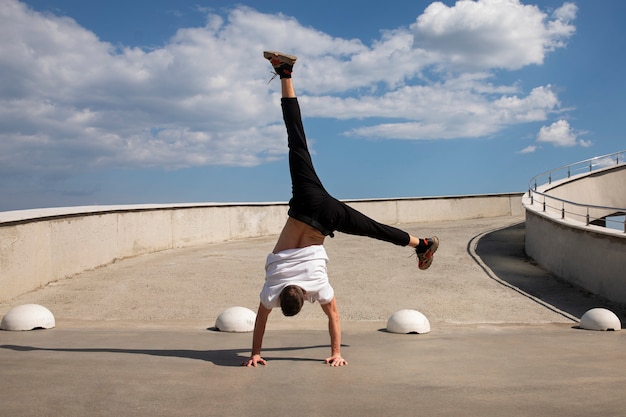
x: 588, y: 165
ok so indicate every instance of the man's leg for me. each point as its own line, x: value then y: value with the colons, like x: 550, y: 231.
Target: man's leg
x: 309, y: 195
x: 353, y: 222
x: 356, y: 223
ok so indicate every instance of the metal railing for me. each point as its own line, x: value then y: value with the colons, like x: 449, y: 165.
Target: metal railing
x: 611, y: 217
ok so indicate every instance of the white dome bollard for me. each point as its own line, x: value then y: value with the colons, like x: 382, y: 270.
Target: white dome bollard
x: 236, y: 320
x: 600, y: 319
x: 408, y: 321
x: 28, y: 317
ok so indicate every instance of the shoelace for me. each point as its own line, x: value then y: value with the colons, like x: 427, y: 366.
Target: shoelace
x: 274, y: 75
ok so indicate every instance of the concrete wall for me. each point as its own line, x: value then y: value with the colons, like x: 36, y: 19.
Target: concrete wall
x: 604, y: 187
x: 588, y: 257
x: 591, y: 257
x: 42, y: 246
x: 601, y: 188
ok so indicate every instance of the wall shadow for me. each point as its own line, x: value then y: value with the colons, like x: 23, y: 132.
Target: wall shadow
x: 503, y: 252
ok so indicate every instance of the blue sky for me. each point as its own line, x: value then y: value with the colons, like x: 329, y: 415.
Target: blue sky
x: 132, y: 102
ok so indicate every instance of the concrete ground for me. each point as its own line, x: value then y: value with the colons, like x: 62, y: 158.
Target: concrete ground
x: 136, y: 338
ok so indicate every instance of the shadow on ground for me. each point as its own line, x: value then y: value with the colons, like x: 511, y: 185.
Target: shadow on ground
x: 220, y: 357
x: 502, y: 251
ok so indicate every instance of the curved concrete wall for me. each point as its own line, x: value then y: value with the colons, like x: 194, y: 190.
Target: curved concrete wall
x: 604, y: 187
x: 41, y: 246
x: 591, y: 257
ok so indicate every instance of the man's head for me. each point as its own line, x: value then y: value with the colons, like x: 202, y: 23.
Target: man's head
x: 291, y: 300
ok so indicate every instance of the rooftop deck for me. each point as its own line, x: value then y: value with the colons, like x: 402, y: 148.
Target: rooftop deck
x: 133, y: 338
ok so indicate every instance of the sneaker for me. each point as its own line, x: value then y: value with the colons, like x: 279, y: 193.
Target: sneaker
x: 282, y: 63
x: 425, y: 251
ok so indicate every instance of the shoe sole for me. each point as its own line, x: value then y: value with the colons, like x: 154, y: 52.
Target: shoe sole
x: 429, y: 254
x: 281, y: 57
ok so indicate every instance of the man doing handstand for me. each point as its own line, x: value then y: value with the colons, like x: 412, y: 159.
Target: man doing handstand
x: 296, y: 268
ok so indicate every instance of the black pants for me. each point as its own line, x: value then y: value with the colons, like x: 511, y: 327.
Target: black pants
x: 310, y: 201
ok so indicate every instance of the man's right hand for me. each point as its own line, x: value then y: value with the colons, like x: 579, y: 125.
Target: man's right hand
x: 254, y: 360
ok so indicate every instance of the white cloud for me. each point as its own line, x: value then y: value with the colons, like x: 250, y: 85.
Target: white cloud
x: 560, y: 134
x: 566, y: 13
x: 440, y: 112
x: 71, y: 102
x: 529, y: 149
x: 488, y: 34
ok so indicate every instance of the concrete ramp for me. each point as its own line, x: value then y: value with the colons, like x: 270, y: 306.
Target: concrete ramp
x: 134, y: 338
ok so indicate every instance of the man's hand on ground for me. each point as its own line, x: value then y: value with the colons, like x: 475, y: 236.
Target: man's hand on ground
x: 336, y: 360
x: 254, y: 361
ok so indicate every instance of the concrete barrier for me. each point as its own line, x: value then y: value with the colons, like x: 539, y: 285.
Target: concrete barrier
x: 604, y: 187
x: 45, y: 245
x: 591, y: 257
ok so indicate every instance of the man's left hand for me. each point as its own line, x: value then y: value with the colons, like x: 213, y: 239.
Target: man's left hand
x: 336, y: 360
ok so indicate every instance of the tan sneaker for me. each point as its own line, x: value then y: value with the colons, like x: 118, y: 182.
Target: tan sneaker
x: 282, y: 63
x: 425, y: 251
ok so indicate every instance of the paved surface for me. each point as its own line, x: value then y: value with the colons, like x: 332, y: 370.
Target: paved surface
x: 135, y: 338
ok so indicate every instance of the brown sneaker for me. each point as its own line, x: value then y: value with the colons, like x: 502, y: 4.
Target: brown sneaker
x: 425, y: 251
x: 282, y: 63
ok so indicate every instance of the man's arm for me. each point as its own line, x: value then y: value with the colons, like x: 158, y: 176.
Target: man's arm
x: 257, y: 337
x: 334, y: 329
